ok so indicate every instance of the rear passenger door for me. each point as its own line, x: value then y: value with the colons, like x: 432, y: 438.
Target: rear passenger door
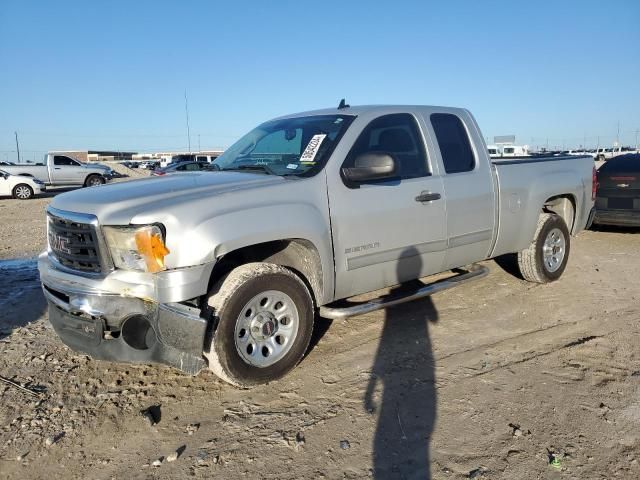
x: 468, y: 186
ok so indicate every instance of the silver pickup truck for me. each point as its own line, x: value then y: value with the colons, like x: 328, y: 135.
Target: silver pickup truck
x: 59, y: 170
x: 228, y: 268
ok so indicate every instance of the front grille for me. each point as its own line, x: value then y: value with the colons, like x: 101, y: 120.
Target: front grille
x: 74, y: 245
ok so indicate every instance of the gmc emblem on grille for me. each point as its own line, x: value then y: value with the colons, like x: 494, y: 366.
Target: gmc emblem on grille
x: 59, y: 243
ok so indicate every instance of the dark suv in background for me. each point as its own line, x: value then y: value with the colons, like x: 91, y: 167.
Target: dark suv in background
x: 618, y: 195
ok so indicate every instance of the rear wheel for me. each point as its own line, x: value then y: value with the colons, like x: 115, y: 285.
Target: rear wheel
x: 264, y: 316
x: 22, y: 191
x: 546, y: 258
x: 94, y: 181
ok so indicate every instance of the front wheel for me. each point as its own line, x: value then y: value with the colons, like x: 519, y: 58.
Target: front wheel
x: 547, y: 256
x: 264, y: 316
x: 94, y: 181
x: 22, y: 191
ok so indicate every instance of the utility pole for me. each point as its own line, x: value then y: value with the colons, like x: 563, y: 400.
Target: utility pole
x: 618, y: 135
x: 186, y: 110
x: 17, y: 146
x: 637, y: 131
x: 199, y: 149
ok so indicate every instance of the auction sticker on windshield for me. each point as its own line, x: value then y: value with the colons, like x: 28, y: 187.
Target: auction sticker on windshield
x: 309, y: 154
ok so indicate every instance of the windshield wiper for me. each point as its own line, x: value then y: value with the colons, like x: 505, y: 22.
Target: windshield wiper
x: 259, y: 168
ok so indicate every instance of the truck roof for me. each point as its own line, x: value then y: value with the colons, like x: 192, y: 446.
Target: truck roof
x: 374, y: 110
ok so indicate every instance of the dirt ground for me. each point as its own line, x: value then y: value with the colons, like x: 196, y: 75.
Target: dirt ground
x: 497, y: 379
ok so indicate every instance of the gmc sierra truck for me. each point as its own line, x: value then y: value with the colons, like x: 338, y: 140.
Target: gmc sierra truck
x: 227, y: 269
x: 62, y: 170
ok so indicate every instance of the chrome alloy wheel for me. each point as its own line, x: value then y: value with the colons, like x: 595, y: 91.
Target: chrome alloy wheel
x: 553, y: 250
x: 23, y: 192
x: 266, y: 328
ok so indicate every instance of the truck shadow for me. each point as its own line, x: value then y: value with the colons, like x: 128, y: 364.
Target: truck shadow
x: 22, y: 301
x: 509, y: 263
x: 53, y: 191
x: 614, y: 229
x: 404, y: 370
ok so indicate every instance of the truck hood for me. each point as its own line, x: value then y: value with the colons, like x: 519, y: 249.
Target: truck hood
x: 157, y: 197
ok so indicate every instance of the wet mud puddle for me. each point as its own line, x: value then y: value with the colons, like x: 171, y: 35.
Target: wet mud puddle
x: 20, y: 294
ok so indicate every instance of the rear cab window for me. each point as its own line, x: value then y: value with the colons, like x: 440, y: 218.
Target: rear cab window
x: 453, y: 141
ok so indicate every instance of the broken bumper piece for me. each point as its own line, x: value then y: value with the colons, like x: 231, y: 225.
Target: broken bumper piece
x: 127, y: 329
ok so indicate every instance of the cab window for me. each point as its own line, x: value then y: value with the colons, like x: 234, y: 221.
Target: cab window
x: 453, y: 141
x: 62, y: 160
x: 396, y: 134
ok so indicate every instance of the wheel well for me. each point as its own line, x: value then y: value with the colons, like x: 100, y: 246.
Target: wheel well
x: 298, y: 255
x: 564, y: 206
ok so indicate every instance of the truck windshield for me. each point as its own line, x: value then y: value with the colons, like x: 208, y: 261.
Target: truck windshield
x: 291, y: 146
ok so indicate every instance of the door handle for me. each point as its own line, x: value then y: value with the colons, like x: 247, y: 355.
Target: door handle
x: 56, y: 168
x: 428, y: 197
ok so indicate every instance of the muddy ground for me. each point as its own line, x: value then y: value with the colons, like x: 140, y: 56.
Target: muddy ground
x: 498, y: 379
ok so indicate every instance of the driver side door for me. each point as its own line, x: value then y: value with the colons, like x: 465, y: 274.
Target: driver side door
x: 389, y: 231
x: 68, y: 171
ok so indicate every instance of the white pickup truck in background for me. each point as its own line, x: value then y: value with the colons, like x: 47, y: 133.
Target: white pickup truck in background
x: 62, y: 170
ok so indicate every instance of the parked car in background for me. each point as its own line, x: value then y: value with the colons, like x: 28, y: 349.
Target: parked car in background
x: 61, y: 170
x: 3, y: 163
x: 515, y: 151
x: 230, y: 269
x: 188, y: 157
x: 580, y: 153
x: 618, y: 194
x: 150, y: 164
x: 183, y: 167
x: 22, y: 188
x: 617, y: 151
x: 494, y: 151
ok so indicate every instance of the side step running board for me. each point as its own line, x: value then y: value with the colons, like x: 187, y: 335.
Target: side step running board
x: 470, y: 273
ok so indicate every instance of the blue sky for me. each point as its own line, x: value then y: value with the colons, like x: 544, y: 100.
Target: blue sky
x: 112, y: 75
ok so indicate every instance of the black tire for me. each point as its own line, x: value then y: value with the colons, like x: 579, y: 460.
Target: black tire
x: 531, y: 261
x: 94, y: 180
x: 22, y: 191
x: 227, y: 300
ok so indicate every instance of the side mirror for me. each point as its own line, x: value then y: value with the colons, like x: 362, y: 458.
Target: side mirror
x: 371, y: 166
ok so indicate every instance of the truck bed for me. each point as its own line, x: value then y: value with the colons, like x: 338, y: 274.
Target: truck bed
x: 523, y: 186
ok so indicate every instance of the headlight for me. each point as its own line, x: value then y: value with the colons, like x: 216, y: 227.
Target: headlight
x: 137, y: 248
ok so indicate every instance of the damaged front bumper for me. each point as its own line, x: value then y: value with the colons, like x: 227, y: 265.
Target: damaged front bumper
x: 115, y: 326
